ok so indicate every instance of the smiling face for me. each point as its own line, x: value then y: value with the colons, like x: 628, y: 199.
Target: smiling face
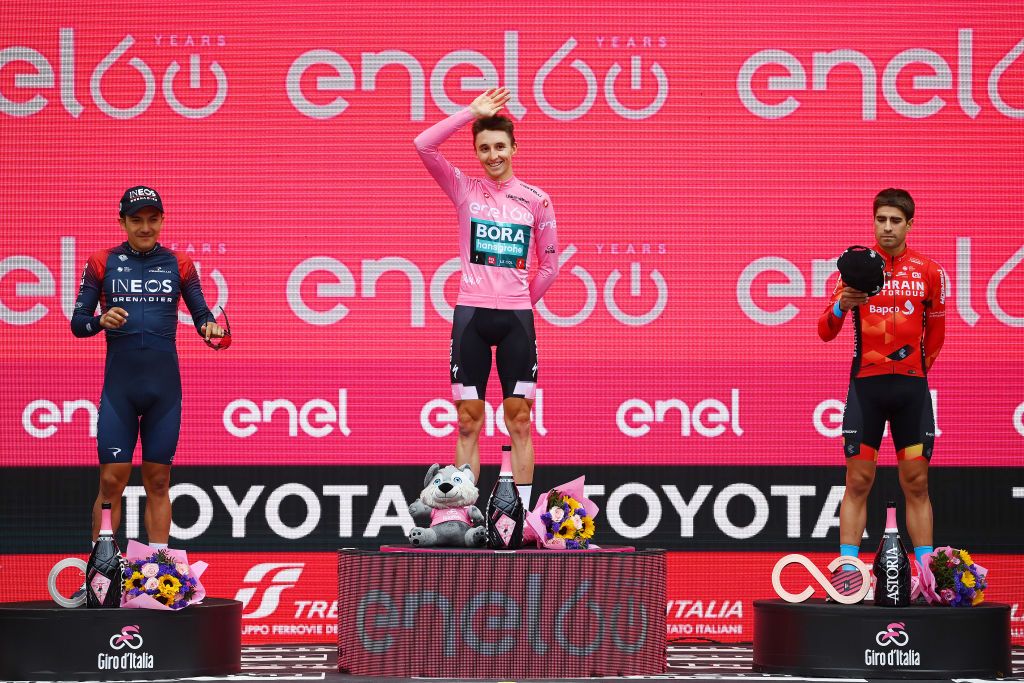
x: 143, y: 228
x: 494, y: 149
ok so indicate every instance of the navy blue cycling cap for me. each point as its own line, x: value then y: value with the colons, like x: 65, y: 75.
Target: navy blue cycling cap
x: 862, y: 268
x: 138, y: 197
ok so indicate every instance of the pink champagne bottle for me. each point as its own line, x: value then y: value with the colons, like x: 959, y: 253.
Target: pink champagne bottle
x: 505, y: 514
x: 892, y: 566
x: 103, y: 571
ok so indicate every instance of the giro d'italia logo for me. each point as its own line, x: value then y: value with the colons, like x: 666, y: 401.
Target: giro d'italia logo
x: 894, y: 634
x: 128, y: 637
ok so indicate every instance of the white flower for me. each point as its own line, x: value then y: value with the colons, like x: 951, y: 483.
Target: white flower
x: 150, y: 569
x: 181, y: 568
x: 152, y: 584
x: 557, y: 514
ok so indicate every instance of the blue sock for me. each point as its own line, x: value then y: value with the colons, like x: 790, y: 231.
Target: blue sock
x: 852, y: 551
x: 920, y: 551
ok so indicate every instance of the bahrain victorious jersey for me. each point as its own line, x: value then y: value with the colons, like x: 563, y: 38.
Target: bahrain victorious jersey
x: 148, y: 286
x: 900, y: 330
x: 499, y: 223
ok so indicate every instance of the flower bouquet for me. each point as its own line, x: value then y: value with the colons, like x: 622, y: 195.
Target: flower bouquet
x: 160, y: 579
x: 563, y: 518
x: 950, y: 577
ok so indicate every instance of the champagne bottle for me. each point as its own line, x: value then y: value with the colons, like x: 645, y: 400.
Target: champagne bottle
x: 505, y: 514
x: 103, y: 570
x: 892, y: 566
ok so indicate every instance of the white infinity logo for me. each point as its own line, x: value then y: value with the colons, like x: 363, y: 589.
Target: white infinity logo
x: 821, y: 579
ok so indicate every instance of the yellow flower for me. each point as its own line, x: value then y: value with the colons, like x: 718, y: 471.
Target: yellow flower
x: 169, y: 585
x: 136, y: 581
x: 567, y: 531
x: 572, y: 503
x: 164, y: 599
x: 967, y: 579
x: 588, y: 528
x: 979, y: 597
x: 965, y: 557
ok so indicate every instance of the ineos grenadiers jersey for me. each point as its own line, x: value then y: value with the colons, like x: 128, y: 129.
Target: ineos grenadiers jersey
x: 499, y: 223
x: 900, y: 330
x: 148, y: 286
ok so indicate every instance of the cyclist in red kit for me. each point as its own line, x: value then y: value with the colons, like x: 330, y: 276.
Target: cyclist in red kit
x: 898, y: 333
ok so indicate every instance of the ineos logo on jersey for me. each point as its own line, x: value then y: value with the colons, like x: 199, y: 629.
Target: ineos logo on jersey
x: 121, y: 286
x: 280, y: 576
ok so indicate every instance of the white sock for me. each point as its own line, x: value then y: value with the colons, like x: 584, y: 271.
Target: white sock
x: 158, y: 546
x: 525, y: 491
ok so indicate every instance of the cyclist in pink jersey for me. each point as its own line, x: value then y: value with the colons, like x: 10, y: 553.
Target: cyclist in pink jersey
x: 500, y: 220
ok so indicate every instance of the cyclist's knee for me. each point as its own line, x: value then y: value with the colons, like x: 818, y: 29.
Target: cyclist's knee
x: 471, y: 418
x: 517, y: 418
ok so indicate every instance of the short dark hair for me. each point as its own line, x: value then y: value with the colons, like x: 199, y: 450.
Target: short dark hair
x: 896, y: 198
x: 499, y: 123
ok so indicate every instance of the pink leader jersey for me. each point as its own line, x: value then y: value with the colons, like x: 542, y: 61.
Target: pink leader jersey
x: 498, y: 224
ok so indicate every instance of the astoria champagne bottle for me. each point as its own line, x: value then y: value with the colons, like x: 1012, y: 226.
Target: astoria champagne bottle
x: 505, y: 514
x: 103, y: 571
x: 892, y: 566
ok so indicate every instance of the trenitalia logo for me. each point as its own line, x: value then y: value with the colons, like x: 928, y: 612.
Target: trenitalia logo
x: 910, y: 103
x: 279, y: 576
x: 320, y: 98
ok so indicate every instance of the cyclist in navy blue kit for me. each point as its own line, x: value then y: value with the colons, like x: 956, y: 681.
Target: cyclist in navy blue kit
x: 138, y: 285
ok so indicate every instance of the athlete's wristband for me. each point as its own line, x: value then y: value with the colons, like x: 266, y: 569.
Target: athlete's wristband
x: 837, y: 310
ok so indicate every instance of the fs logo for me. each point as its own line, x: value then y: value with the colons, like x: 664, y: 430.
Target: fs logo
x: 280, y: 575
x: 894, y: 634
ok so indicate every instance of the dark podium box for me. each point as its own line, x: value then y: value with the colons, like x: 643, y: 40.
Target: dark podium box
x: 41, y: 641
x: 818, y: 638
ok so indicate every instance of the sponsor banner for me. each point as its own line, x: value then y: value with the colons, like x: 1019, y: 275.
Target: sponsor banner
x: 677, y: 508
x: 301, y: 411
x: 292, y: 596
x: 719, y: 160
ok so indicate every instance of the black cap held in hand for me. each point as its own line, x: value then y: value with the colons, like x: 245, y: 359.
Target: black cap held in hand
x: 862, y: 269
x: 138, y: 197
